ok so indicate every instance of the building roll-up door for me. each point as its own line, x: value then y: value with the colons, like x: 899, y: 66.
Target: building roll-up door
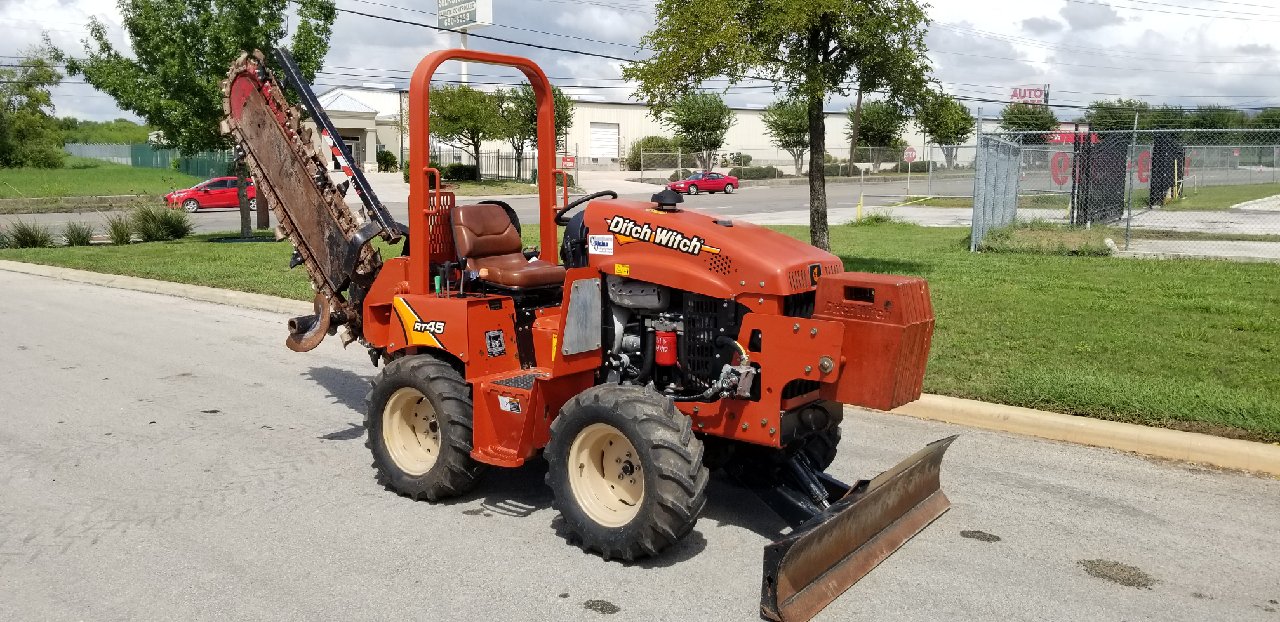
x: 604, y: 141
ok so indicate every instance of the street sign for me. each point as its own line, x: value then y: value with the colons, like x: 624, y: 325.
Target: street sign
x: 568, y: 162
x: 909, y: 155
x: 464, y: 14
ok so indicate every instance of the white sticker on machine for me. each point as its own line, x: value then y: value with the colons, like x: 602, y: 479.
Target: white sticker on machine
x: 600, y: 244
x: 509, y: 404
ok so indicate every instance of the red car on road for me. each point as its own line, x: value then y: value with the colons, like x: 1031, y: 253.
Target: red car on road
x: 215, y: 193
x: 705, y: 182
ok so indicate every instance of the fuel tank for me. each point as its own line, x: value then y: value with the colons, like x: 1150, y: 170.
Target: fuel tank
x: 693, y: 251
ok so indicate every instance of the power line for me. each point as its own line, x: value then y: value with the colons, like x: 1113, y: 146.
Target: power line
x: 1173, y: 58
x: 541, y: 32
x: 1249, y: 17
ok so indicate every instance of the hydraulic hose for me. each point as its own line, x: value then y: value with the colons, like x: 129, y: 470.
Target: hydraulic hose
x: 647, y: 345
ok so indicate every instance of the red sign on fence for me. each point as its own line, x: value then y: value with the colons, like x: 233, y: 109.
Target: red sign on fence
x: 1060, y: 168
x: 909, y: 155
x: 568, y: 162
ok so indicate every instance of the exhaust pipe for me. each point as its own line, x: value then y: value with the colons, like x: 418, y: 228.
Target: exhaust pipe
x: 834, y: 549
x: 307, y: 331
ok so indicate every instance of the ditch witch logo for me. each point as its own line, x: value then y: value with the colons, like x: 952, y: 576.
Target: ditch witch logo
x: 628, y: 230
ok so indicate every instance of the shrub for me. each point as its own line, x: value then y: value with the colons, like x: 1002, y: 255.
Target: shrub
x: 157, y: 224
x: 680, y: 174
x: 916, y: 167
x: 78, y: 233
x: 659, y: 152
x: 119, y: 229
x: 871, y: 220
x: 533, y: 179
x: 24, y: 234
x: 832, y: 169
x: 755, y: 172
x: 458, y: 171
x: 5, y: 242
x: 387, y: 162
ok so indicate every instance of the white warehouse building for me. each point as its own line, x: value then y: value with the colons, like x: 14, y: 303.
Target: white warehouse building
x: 600, y: 137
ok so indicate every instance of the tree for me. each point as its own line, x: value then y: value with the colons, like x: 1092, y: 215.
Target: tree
x: 700, y: 121
x: 787, y: 122
x: 518, y: 118
x: 653, y: 152
x: 881, y: 128
x: 465, y: 117
x: 181, y: 52
x: 1117, y: 114
x: 899, y: 73
x: 1029, y: 118
x: 810, y: 49
x: 29, y: 135
x: 1164, y: 118
x: 103, y: 132
x: 946, y: 122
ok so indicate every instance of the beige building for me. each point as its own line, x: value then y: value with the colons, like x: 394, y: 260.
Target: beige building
x: 601, y: 134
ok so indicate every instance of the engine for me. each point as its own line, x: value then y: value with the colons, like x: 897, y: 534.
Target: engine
x: 684, y: 344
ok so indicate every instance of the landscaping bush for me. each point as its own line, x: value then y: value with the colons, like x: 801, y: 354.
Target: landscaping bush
x: 916, y: 167
x: 24, y: 234
x: 404, y: 172
x: 119, y: 229
x: 5, y: 242
x: 78, y: 233
x: 680, y: 174
x: 157, y: 224
x: 533, y: 179
x: 659, y: 152
x: 387, y: 162
x: 832, y: 169
x: 755, y: 172
x: 872, y: 220
x: 458, y: 171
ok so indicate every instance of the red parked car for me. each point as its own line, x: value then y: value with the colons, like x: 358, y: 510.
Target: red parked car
x: 217, y: 192
x: 705, y: 182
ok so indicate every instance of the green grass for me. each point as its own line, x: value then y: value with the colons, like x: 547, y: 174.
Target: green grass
x: 86, y: 177
x: 1046, y: 238
x: 1212, y: 198
x: 1188, y: 344
x: 1026, y: 201
x: 489, y: 187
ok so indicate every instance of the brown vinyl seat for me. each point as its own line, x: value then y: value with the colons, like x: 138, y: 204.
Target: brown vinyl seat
x: 488, y: 241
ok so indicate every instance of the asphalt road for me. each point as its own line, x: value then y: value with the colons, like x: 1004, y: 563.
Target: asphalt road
x: 163, y: 459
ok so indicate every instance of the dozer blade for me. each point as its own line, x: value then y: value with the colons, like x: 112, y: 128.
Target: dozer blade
x: 822, y: 558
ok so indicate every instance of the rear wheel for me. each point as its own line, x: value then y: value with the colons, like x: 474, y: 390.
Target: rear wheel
x: 419, y: 429
x: 191, y: 206
x: 728, y: 188
x: 626, y: 471
x: 693, y: 189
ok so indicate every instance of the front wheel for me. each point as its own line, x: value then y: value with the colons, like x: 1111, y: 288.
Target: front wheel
x: 626, y: 471
x: 420, y: 430
x: 728, y: 188
x: 693, y: 189
x: 191, y: 206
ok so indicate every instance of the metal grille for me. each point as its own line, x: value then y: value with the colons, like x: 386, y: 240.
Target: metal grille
x: 799, y: 305
x: 720, y: 263
x: 799, y: 387
x: 706, y: 319
x: 438, y: 223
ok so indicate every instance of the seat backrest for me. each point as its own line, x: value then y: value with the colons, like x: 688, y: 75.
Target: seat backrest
x: 484, y: 230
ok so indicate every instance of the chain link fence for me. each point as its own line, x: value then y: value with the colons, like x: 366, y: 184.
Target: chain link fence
x: 1197, y: 192
x: 144, y: 155
x: 497, y: 164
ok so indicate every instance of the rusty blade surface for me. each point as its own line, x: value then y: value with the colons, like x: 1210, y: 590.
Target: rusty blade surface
x: 291, y: 176
x: 808, y: 569
x: 306, y: 332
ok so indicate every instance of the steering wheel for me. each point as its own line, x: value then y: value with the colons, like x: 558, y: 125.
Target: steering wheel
x: 560, y: 218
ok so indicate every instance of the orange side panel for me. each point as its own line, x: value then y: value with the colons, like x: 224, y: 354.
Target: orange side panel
x: 888, y: 330
x: 512, y: 423
x: 378, y: 317
x: 478, y: 330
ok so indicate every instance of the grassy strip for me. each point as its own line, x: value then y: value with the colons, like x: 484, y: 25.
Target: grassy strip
x: 1026, y: 201
x: 489, y: 187
x: 54, y: 206
x: 86, y: 177
x: 1213, y: 198
x: 1187, y: 344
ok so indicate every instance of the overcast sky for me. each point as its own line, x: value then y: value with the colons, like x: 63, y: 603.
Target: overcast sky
x: 1184, y: 52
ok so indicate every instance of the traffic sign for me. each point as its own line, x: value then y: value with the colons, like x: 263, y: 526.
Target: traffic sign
x: 909, y: 155
x: 568, y: 162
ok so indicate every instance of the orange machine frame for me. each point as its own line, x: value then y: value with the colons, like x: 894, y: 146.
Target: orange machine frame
x: 423, y: 201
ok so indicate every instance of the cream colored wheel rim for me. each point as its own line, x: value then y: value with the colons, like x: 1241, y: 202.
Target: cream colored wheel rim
x: 411, y: 431
x: 605, y: 475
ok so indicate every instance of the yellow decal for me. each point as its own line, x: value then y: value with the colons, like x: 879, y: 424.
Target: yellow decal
x: 554, y: 340
x: 622, y: 269
x: 418, y: 331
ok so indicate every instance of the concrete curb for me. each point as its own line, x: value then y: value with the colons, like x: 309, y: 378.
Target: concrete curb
x: 1159, y: 442
x: 260, y: 302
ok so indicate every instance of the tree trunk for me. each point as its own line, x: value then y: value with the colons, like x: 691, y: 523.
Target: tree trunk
x: 949, y: 153
x: 857, y: 127
x: 819, y: 234
x: 519, y: 151
x: 475, y: 154
x: 242, y: 193
x: 798, y: 156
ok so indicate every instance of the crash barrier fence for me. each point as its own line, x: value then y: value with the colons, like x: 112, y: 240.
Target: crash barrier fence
x: 1198, y: 192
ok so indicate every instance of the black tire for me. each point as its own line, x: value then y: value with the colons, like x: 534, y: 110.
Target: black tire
x: 666, y: 447
x: 693, y: 189
x: 453, y: 472
x: 821, y: 442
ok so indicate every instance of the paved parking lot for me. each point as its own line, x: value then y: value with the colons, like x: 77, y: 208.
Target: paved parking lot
x: 162, y: 459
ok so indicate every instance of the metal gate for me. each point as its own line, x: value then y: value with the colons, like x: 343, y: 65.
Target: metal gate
x: 995, y: 186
